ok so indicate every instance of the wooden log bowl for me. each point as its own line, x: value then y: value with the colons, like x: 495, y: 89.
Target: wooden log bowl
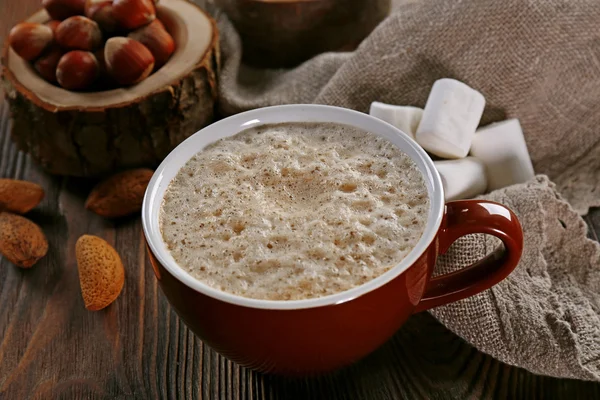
x: 97, y: 133
x: 284, y: 33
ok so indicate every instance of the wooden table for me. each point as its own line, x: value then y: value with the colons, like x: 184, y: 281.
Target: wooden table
x: 52, y: 348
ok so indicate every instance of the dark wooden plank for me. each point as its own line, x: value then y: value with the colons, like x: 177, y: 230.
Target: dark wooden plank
x: 52, y: 348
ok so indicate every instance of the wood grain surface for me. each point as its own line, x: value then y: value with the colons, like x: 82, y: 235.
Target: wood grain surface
x: 52, y: 348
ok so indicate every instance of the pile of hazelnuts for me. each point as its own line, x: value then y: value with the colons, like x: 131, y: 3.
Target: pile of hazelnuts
x: 88, y: 42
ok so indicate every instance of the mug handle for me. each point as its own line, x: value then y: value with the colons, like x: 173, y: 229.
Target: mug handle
x: 463, y: 218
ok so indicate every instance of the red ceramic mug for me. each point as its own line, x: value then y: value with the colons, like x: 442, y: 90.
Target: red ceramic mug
x: 317, y: 335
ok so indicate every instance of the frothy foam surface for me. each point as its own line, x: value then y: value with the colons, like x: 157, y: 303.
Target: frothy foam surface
x: 294, y: 211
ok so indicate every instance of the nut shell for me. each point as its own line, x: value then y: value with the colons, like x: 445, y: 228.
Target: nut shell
x: 127, y: 60
x: 132, y: 14
x: 101, y: 272
x: 79, y: 33
x: 29, y: 40
x: 156, y: 38
x: 77, y: 70
x: 22, y: 242
x: 121, y: 194
x: 19, y: 196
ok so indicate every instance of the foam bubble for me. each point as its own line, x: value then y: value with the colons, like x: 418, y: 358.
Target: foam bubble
x: 294, y: 211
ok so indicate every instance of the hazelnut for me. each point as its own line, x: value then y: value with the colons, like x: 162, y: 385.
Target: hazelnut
x: 77, y: 70
x: 156, y: 38
x: 79, y: 33
x: 127, y: 60
x: 101, y: 12
x: 29, y: 40
x: 62, y: 9
x: 47, y: 63
x: 132, y: 14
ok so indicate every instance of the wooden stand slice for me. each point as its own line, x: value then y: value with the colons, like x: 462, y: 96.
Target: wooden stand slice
x: 284, y: 33
x: 96, y: 133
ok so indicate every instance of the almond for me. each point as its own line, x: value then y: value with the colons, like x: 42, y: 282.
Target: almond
x: 120, y: 195
x: 19, y: 196
x: 22, y: 242
x: 101, y: 273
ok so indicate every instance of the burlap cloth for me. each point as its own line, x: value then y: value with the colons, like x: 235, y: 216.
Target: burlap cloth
x: 536, y: 60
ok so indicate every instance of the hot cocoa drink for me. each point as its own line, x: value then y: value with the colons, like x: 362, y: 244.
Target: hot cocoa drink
x: 294, y: 211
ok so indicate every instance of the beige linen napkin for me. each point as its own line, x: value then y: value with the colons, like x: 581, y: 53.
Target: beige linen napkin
x: 536, y: 60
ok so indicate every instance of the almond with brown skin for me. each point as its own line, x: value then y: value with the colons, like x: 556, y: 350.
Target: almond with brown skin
x: 22, y: 242
x: 101, y: 273
x: 120, y: 195
x: 19, y: 196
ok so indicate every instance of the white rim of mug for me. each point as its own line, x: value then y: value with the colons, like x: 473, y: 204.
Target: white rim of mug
x: 275, y: 114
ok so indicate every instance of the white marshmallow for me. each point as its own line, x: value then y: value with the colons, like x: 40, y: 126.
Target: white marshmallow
x: 502, y: 148
x: 462, y: 179
x: 452, y: 113
x: 405, y: 118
